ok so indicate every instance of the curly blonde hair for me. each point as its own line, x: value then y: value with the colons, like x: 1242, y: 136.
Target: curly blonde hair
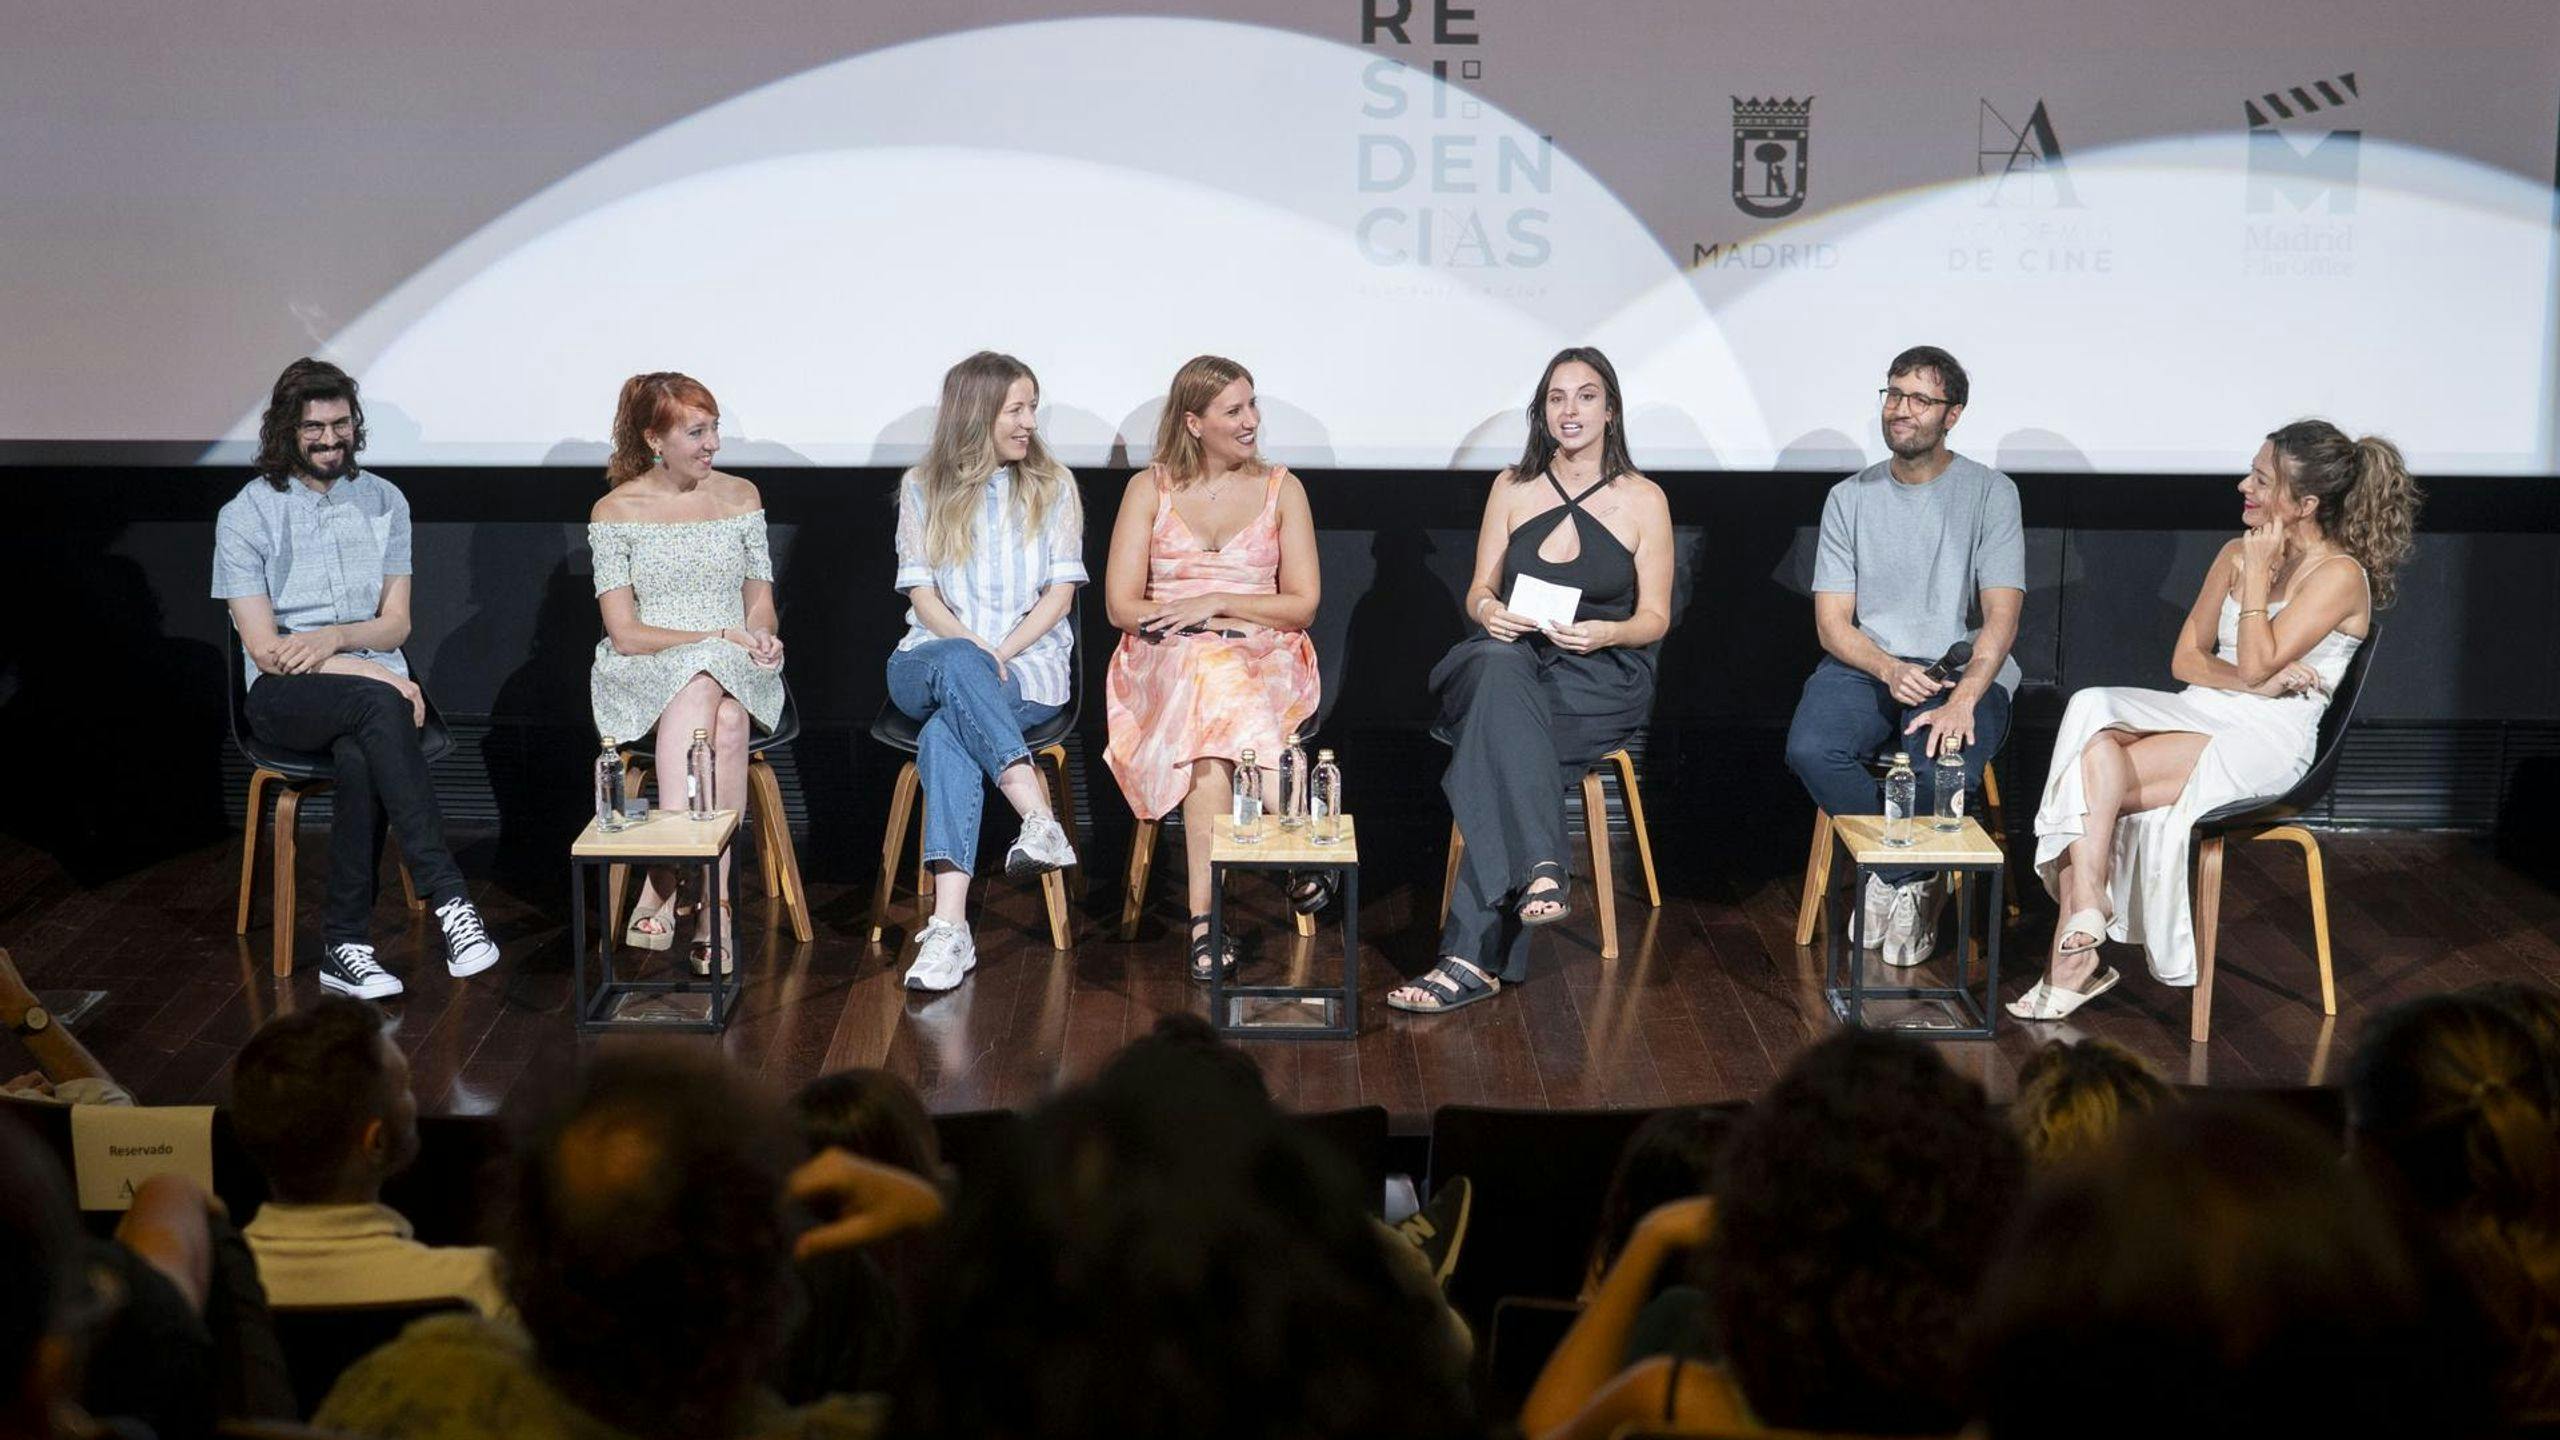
x: 2368, y: 500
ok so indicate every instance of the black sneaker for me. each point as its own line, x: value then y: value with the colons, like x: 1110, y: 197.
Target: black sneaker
x: 1439, y: 1228
x: 348, y: 968
x: 468, y: 950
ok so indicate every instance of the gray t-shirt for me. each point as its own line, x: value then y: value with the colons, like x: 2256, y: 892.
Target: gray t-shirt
x: 1916, y: 556
x: 319, y: 557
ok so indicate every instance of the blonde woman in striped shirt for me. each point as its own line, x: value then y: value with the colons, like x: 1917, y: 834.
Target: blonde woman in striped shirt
x: 990, y: 552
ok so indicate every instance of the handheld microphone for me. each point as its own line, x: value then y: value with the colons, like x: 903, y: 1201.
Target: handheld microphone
x: 1951, y: 664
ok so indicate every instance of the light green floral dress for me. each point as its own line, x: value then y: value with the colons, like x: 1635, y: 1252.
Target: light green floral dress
x: 685, y: 575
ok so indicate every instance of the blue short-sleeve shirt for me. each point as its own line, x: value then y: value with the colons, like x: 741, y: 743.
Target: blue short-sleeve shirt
x: 319, y: 557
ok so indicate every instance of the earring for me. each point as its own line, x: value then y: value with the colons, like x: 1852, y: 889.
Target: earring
x: 658, y: 457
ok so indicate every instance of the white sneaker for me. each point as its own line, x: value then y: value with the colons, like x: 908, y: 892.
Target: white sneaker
x: 1911, y: 927
x: 348, y: 969
x: 945, y: 954
x: 1878, y: 909
x: 468, y: 950
x: 1040, y: 848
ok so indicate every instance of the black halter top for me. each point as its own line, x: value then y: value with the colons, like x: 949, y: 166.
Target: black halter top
x: 1604, y: 569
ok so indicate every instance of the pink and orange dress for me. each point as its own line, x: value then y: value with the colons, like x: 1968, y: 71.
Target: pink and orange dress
x: 1205, y: 695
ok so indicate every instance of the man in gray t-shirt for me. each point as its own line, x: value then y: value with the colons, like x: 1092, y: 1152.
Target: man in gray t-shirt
x: 1911, y: 550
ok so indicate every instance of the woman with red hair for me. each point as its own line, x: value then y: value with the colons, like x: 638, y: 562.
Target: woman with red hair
x: 685, y: 580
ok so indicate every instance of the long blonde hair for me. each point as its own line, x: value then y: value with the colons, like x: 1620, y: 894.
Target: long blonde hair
x: 962, y: 455
x: 2368, y: 501
x: 1194, y: 386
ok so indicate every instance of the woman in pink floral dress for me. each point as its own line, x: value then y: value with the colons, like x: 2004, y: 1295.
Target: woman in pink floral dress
x: 1212, y: 579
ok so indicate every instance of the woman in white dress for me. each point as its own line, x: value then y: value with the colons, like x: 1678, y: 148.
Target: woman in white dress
x: 2281, y: 611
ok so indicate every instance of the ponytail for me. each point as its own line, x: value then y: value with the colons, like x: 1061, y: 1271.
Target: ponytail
x: 2378, y: 519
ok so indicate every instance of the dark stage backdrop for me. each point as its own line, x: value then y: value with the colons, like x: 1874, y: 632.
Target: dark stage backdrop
x: 113, y: 701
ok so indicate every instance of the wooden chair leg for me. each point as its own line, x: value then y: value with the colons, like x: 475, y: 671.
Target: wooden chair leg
x: 2319, y: 884
x: 924, y: 867
x: 763, y: 820
x: 1062, y: 798
x: 1595, y: 824
x: 781, y: 857
x: 1817, y: 878
x: 1626, y: 764
x: 893, y: 844
x: 1306, y: 923
x: 2208, y: 922
x: 249, y: 846
x: 1449, y: 881
x: 288, y: 817
x: 1142, y: 855
x: 1997, y: 820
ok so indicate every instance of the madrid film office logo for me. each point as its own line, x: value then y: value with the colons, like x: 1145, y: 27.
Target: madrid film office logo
x: 1772, y: 143
x: 2325, y: 173
x: 2023, y: 161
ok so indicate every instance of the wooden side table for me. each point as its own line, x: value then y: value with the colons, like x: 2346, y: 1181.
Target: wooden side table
x: 663, y: 837
x: 1960, y: 853
x: 1293, y: 1012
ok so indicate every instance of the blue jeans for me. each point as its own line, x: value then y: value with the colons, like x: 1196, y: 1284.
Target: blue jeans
x: 973, y: 724
x: 1847, y: 716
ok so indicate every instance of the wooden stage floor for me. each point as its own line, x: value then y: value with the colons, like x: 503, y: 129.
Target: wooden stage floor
x: 1708, y: 1000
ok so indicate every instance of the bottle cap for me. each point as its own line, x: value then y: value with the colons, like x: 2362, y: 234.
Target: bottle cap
x: 1323, y: 756
x: 610, y: 742
x: 1247, y: 757
x: 1900, y: 757
x: 701, y: 734
x: 1293, y: 737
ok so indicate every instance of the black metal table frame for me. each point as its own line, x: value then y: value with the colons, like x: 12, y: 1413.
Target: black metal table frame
x: 1347, y: 994
x: 594, y: 1012
x: 1845, y: 950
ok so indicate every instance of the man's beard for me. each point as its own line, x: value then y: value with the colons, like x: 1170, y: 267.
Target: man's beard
x: 334, y: 465
x: 1918, y: 443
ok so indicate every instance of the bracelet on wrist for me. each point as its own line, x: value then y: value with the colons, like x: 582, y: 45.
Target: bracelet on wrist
x: 2259, y: 611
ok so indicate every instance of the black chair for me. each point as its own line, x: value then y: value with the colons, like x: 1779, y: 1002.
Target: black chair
x: 1595, y: 826
x: 776, y: 855
x: 321, y: 1341
x: 1541, y: 1179
x: 897, y: 730
x: 2273, y: 820
x: 293, y: 774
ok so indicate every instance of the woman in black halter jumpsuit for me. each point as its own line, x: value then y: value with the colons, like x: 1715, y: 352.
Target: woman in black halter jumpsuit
x: 1526, y: 715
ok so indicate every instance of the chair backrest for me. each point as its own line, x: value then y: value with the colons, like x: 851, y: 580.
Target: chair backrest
x: 2314, y: 784
x: 321, y: 1341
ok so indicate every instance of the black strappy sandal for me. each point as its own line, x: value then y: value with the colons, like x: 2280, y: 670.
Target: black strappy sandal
x: 1453, y: 984
x: 1310, y: 891
x: 1561, y: 897
x: 1200, y: 953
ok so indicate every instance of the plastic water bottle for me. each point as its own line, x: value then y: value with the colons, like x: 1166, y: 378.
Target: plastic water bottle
x: 1901, y: 791
x: 1294, y: 779
x: 1247, y: 811
x: 609, y: 818
x: 1948, y: 815
x: 1324, y: 808
x: 698, y: 777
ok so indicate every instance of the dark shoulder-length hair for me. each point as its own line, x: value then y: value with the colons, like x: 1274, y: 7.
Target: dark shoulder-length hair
x: 303, y: 381
x: 1541, y: 451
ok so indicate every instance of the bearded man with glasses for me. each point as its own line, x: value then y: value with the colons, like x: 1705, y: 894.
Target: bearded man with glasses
x: 312, y: 557
x: 1918, y: 553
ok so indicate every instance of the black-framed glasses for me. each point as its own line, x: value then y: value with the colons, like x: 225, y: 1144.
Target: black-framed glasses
x: 1895, y: 399
x: 314, y: 429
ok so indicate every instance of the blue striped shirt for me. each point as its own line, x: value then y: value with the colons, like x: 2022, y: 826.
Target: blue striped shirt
x: 1005, y: 573
x: 319, y: 556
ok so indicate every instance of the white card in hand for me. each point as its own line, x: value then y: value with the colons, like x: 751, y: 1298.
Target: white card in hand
x: 1542, y: 601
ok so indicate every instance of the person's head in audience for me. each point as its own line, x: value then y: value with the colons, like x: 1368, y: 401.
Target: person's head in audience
x: 648, y: 1253
x: 1162, y: 1254
x: 870, y: 1113
x: 2537, y: 1007
x: 2072, y: 1099
x: 1182, y: 1048
x: 2217, y: 1272
x: 2450, y: 1105
x: 320, y: 1099
x: 44, y: 1291
x: 1672, y: 1156
x: 1856, y: 1205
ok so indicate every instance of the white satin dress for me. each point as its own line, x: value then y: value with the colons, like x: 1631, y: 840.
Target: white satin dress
x: 2258, y: 746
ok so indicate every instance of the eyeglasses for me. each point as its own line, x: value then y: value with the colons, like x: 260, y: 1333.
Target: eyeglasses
x: 1897, y: 399
x: 314, y: 429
